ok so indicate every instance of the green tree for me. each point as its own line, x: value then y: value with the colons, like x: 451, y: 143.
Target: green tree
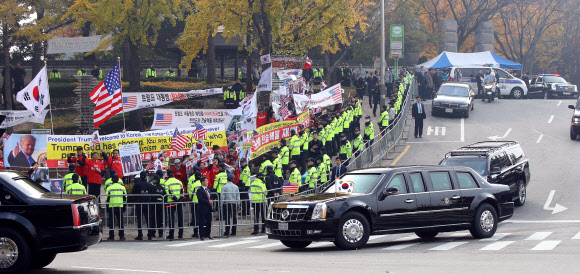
x: 131, y: 23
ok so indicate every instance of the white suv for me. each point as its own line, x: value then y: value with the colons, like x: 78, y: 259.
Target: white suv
x: 508, y: 84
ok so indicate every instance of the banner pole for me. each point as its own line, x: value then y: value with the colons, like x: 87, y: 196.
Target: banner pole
x: 121, y: 80
x: 49, y: 103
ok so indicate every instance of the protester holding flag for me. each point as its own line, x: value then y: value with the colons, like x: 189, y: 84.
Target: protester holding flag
x: 113, y: 162
x: 95, y: 171
x: 80, y: 161
x: 180, y: 172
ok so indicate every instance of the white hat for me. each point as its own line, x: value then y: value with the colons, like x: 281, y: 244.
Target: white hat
x: 177, y: 161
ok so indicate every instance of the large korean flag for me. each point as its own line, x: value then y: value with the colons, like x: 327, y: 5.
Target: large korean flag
x: 35, y: 96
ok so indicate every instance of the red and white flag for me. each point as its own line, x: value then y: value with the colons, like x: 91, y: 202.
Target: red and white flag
x: 35, y: 96
x: 323, y: 85
x: 95, y: 140
x: 199, y: 132
x: 150, y: 165
x: 308, y: 63
x: 284, y: 112
x: 178, y: 141
x: 336, y: 94
x: 233, y: 136
x: 110, y: 100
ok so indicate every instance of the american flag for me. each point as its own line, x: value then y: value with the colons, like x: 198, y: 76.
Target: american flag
x: 234, y: 136
x: 5, y: 136
x: 286, y: 99
x: 178, y: 141
x: 336, y: 94
x: 164, y: 119
x: 289, y: 187
x: 95, y: 140
x: 110, y: 97
x: 284, y: 112
x: 150, y: 165
x: 130, y: 102
x: 200, y: 132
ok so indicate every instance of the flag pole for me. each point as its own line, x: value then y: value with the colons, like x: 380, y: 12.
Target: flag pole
x: 121, y: 80
x: 49, y: 103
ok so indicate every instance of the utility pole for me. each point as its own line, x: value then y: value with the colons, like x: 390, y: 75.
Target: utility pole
x: 383, y: 62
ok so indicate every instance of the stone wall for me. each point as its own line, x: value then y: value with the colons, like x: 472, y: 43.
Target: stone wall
x: 484, y: 39
x: 448, y: 29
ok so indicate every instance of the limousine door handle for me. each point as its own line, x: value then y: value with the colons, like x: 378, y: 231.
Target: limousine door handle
x: 455, y: 197
x: 409, y: 201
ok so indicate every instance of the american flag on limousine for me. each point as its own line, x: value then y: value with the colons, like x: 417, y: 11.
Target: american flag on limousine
x: 164, y: 119
x: 130, y: 102
x: 289, y: 187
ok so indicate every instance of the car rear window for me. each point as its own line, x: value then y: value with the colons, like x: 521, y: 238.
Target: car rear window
x: 28, y: 187
x: 479, y: 164
x: 440, y: 181
x: 417, y: 180
x: 466, y: 181
x: 363, y: 183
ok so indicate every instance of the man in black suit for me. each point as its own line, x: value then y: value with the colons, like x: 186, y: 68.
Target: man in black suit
x: 21, y: 156
x: 204, y: 210
x: 418, y: 114
x: 338, y: 170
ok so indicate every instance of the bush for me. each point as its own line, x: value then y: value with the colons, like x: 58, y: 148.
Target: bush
x: 62, y: 89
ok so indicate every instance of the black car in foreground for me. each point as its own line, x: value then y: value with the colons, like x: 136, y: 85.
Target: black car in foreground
x: 36, y: 224
x: 421, y: 199
x: 575, y: 123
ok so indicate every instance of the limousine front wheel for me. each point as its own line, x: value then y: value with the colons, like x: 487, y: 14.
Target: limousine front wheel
x: 484, y: 222
x: 354, y: 231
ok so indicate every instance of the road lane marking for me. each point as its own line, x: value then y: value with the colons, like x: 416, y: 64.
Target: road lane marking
x: 256, y: 237
x: 400, y: 246
x: 432, y: 142
x: 576, y: 237
x: 557, y: 208
x: 559, y: 102
x: 551, y: 118
x: 497, y: 245
x: 436, y: 131
x: 192, y: 243
x: 443, y: 129
x: 119, y: 269
x: 400, y: 156
x: 235, y: 243
x: 374, y: 237
x: 538, y: 236
x: 494, y: 138
x: 540, y: 139
x: 459, y: 234
x: 546, y: 245
x: 542, y: 222
x: 495, y: 237
x: 448, y: 246
x: 268, y: 245
x: 408, y: 238
x: 462, y: 129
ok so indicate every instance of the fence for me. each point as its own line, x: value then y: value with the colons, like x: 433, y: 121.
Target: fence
x: 159, y: 215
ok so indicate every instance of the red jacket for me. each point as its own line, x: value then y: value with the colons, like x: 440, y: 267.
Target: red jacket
x: 114, y: 164
x: 205, y: 173
x: 181, y: 175
x: 261, y: 119
x: 211, y: 176
x: 94, y: 176
x: 236, y: 176
x: 80, y: 165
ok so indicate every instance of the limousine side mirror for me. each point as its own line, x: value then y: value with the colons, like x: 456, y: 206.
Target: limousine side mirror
x: 571, y: 107
x: 495, y: 171
x: 391, y: 191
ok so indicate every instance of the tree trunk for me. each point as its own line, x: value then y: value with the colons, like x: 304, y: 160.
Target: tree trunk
x: 328, y: 73
x: 7, y: 77
x: 132, y: 72
x: 86, y: 29
x: 210, y: 60
x: 37, y: 49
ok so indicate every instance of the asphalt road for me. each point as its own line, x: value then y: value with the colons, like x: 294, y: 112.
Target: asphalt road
x: 533, y: 241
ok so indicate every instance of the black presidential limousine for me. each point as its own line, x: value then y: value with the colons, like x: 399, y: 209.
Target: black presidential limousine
x: 36, y: 224
x: 421, y: 199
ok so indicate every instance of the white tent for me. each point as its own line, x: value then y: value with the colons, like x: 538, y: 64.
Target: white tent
x: 454, y: 59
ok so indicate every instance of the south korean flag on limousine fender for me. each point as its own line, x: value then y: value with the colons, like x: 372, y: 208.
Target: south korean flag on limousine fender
x: 35, y: 96
x: 341, y: 186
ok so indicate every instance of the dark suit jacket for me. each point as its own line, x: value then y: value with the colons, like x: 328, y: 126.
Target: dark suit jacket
x: 20, y: 160
x: 203, y: 201
x: 416, y: 114
x: 335, y: 172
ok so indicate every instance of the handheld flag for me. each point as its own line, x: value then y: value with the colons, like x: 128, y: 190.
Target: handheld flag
x: 308, y: 63
x: 200, y: 132
x: 178, y: 141
x: 95, y: 141
x: 266, y: 59
x: 35, y: 96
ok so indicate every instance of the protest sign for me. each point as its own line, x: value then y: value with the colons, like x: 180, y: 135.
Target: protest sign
x: 267, y: 137
x: 130, y: 159
x: 172, y: 118
x: 23, y: 150
x: 139, y: 100
x: 16, y: 117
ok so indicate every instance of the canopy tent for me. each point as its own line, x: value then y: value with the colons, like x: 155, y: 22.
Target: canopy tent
x: 454, y: 59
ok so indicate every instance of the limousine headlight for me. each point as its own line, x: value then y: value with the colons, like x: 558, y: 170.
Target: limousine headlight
x: 464, y: 106
x: 576, y: 120
x: 319, y: 212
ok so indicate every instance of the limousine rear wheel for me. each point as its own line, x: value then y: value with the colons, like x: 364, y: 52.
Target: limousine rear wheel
x: 14, y: 252
x: 353, y: 231
x: 485, y: 222
x: 296, y: 244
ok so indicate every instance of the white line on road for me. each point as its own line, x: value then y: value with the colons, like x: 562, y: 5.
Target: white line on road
x: 256, y: 237
x: 430, y: 142
x: 576, y: 237
x: 462, y: 129
x: 497, y: 245
x: 374, y: 237
x: 192, y: 243
x: 400, y: 246
x: 429, y: 131
x: 268, y: 245
x: 235, y: 243
x: 448, y: 246
x: 538, y: 236
x: 320, y: 244
x: 540, y: 139
x: 542, y: 222
x: 408, y: 238
x: 546, y: 245
x: 495, y: 237
x: 559, y: 102
x: 551, y: 118
x: 459, y: 234
x: 443, y: 129
x: 119, y: 269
